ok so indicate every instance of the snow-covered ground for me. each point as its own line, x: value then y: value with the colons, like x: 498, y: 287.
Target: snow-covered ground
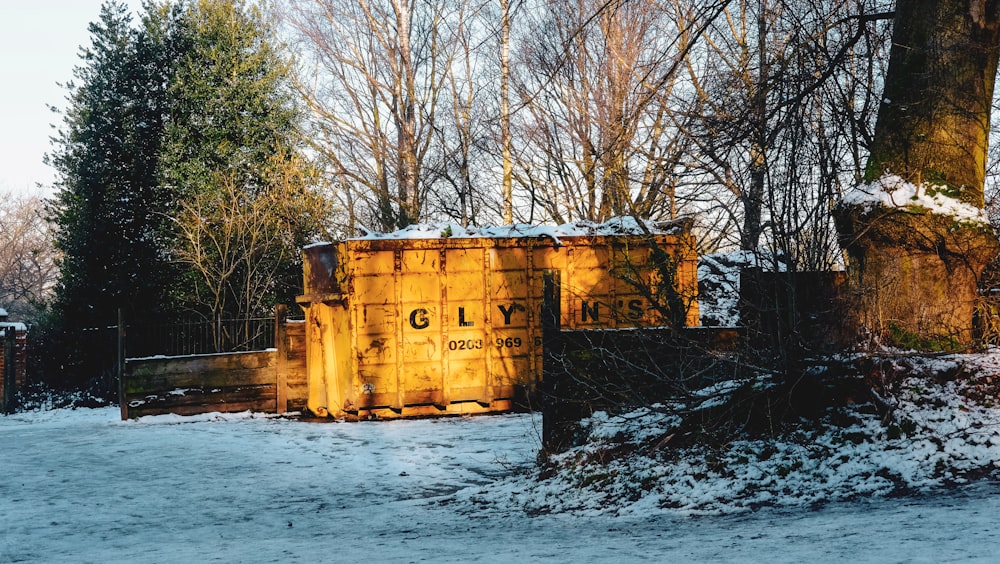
x: 82, y: 486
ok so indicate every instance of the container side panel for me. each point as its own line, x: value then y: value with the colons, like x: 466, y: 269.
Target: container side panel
x: 375, y: 319
x: 316, y: 396
x: 420, y: 260
x: 592, y: 311
x: 465, y: 284
x: 550, y: 258
x: 508, y: 258
x: 468, y: 379
x: 422, y: 383
x: 380, y: 289
x: 377, y: 349
x: 511, y: 371
x: 421, y: 317
x: 421, y: 347
x: 508, y: 285
x: 511, y: 342
x: 634, y: 310
x: 344, y: 361
x: 465, y: 314
x: 466, y: 344
x: 465, y: 260
x: 377, y: 385
x: 371, y: 263
x: 587, y: 257
x: 421, y: 287
x: 509, y: 313
x: 586, y: 282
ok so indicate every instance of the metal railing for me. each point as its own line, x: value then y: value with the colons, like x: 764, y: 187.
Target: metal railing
x: 199, y: 337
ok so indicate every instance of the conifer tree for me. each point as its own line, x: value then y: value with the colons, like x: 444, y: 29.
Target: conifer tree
x: 104, y: 210
x: 233, y: 154
x: 168, y: 123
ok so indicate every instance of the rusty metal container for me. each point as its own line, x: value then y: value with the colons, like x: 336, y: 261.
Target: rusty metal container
x: 402, y: 327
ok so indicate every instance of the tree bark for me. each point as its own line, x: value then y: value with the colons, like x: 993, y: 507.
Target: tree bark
x: 505, y: 138
x: 406, y: 120
x: 914, y: 273
x: 934, y: 119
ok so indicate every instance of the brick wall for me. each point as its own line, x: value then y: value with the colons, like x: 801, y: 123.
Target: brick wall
x: 10, y: 386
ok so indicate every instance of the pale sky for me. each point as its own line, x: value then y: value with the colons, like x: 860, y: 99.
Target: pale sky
x: 39, y: 47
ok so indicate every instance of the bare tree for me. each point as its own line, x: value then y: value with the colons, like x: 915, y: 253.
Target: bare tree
x: 373, y: 73
x: 28, y: 269
x: 505, y: 138
x: 460, y: 183
x: 243, y: 247
x: 594, y: 83
x: 781, y: 115
x: 751, y: 115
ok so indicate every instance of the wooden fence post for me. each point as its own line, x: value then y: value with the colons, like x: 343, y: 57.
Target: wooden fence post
x: 281, y: 343
x: 120, y: 364
x: 553, y: 425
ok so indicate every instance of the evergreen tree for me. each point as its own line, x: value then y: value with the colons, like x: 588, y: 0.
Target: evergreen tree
x: 231, y: 145
x: 231, y: 111
x: 92, y: 161
x: 105, y: 209
x: 174, y: 127
x: 109, y: 209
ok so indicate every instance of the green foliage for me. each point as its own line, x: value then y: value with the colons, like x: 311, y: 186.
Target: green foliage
x: 232, y: 151
x: 172, y: 115
x: 231, y: 110
x: 105, y: 209
x: 932, y: 343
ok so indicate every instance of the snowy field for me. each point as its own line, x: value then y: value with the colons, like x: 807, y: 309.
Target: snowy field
x: 83, y: 486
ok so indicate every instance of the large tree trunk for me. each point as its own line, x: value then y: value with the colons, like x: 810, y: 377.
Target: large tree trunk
x: 913, y: 268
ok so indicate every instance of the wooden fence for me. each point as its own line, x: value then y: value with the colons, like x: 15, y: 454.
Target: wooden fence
x: 271, y: 381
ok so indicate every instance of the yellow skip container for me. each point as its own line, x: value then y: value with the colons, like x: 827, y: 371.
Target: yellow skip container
x: 434, y: 320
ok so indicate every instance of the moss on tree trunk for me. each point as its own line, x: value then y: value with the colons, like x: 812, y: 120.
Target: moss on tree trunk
x: 913, y: 275
x: 933, y: 122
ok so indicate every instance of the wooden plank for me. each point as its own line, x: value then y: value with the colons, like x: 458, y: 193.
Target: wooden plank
x: 196, y: 366
x: 200, y: 384
x: 207, y: 379
x: 201, y: 363
x: 297, y: 375
x: 263, y: 407
x: 281, y: 342
x: 298, y: 395
x: 297, y: 355
x: 257, y: 398
x: 197, y: 396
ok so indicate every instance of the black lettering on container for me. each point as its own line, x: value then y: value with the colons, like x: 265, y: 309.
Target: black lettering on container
x: 418, y: 319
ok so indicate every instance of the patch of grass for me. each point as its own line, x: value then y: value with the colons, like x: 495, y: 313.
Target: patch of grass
x: 930, y: 343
